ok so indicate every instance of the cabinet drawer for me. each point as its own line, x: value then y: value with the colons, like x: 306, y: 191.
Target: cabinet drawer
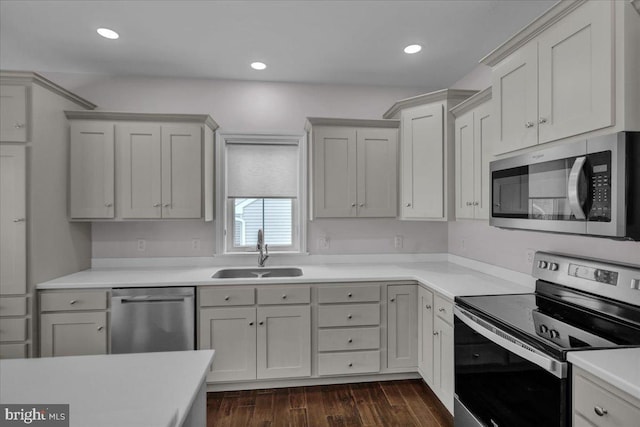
x: 73, y: 301
x: 370, y: 293
x: 282, y: 295
x: 588, y: 396
x: 349, y: 315
x: 13, y: 306
x: 13, y: 330
x: 444, y: 309
x: 13, y: 351
x: 227, y: 296
x: 354, y: 362
x: 349, y: 339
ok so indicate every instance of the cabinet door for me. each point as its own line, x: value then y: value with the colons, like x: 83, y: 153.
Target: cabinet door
x: 443, y: 362
x: 425, y: 334
x: 13, y: 113
x: 73, y: 334
x: 284, y: 342
x: 377, y: 172
x: 13, y: 227
x: 402, y: 319
x: 231, y: 332
x: 92, y: 170
x: 576, y: 73
x: 139, y: 169
x: 422, y: 162
x: 181, y: 171
x: 334, y: 166
x: 482, y: 139
x: 465, y: 173
x: 515, y: 99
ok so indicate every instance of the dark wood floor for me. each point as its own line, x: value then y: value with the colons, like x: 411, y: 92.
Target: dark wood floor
x: 389, y: 403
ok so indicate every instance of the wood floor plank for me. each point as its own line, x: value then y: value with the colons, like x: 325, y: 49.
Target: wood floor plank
x: 416, y: 405
x: 391, y: 391
x: 281, y: 407
x: 298, y: 417
x: 441, y: 414
x: 263, y: 410
x: 297, y: 398
x: 315, y: 408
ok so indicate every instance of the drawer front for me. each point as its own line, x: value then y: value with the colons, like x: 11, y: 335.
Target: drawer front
x: 13, y: 351
x: 349, y: 339
x: 13, y: 330
x: 282, y: 295
x: 354, y: 362
x: 222, y: 297
x: 13, y: 306
x: 349, y: 315
x: 334, y: 294
x: 73, y: 301
x: 444, y: 309
x: 589, y: 397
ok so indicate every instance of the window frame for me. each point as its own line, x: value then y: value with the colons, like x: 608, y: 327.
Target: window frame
x: 224, y: 204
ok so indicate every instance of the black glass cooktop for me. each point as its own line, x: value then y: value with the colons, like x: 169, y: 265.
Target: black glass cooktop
x: 557, y: 319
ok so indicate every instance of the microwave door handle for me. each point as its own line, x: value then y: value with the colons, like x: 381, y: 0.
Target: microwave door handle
x: 573, y: 188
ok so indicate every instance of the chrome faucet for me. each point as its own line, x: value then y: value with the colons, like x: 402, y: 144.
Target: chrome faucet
x: 262, y: 248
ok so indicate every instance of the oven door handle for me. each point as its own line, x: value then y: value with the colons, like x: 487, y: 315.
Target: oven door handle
x: 513, y: 345
x: 574, y: 186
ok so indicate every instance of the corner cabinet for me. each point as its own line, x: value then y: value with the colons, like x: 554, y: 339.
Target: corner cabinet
x: 426, y: 153
x: 473, y: 136
x: 160, y: 165
x: 571, y: 71
x: 353, y: 168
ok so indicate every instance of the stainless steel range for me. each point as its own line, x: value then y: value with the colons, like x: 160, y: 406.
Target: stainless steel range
x: 511, y: 350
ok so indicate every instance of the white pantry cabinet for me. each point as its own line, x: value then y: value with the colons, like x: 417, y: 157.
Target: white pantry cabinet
x: 572, y: 71
x: 426, y: 153
x: 402, y: 322
x: 161, y: 166
x: 353, y: 167
x: 473, y: 127
x: 14, y: 125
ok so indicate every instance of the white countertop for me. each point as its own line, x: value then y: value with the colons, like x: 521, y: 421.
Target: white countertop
x: 150, y: 389
x: 447, y: 278
x: 618, y: 367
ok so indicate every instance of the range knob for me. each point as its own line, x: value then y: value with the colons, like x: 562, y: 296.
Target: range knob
x: 553, y: 266
x: 542, y: 264
x: 554, y: 334
x: 543, y: 329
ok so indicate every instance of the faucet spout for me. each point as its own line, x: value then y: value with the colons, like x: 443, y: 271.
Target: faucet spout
x: 262, y: 249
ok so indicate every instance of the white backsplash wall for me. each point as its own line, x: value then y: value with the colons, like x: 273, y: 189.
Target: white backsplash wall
x: 509, y: 248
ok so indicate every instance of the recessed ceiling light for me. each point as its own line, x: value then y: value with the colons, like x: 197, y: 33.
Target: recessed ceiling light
x: 258, y: 65
x: 411, y: 49
x: 108, y: 34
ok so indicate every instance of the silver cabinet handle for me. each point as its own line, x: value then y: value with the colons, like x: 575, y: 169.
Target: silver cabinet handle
x: 469, y: 203
x: 529, y: 125
x: 100, y: 328
x: 361, y: 205
x: 19, y: 220
x: 73, y: 301
x: 350, y: 364
x: 435, y: 334
x: 393, y: 300
x: 476, y: 203
x: 349, y: 295
x: 261, y: 323
x: 428, y: 307
x: 18, y: 125
x: 600, y: 411
x: 542, y: 120
x: 442, y: 310
x: 166, y: 205
x: 353, y: 205
x: 250, y: 323
x: 108, y: 205
x: 408, y: 205
x: 350, y: 340
x: 156, y: 205
x: 284, y: 296
x: 226, y: 298
x: 349, y: 316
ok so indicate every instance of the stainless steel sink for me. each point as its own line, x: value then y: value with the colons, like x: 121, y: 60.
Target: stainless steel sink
x: 256, y: 273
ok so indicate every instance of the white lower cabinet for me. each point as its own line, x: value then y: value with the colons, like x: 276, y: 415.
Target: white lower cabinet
x: 597, y: 403
x: 255, y: 342
x: 425, y: 334
x: 402, y: 322
x: 443, y: 362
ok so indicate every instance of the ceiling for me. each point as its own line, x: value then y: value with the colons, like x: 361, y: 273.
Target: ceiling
x: 338, y: 42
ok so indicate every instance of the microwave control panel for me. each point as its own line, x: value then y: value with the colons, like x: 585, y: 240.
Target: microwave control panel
x: 600, y: 186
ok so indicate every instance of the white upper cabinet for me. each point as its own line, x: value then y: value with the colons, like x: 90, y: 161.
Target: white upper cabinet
x: 92, y: 170
x: 572, y: 71
x: 426, y: 153
x: 473, y: 133
x: 161, y: 166
x: 13, y: 113
x: 354, y: 167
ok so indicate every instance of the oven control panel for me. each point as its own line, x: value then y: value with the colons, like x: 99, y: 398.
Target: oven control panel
x: 596, y: 274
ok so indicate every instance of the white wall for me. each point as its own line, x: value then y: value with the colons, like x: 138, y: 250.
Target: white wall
x: 479, y: 78
x: 247, y: 106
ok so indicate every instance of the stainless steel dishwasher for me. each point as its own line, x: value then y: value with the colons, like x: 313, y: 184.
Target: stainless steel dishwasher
x: 152, y: 319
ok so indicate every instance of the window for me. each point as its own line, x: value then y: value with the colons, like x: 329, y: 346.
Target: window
x: 262, y: 181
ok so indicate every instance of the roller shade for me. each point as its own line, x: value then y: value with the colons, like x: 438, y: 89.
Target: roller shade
x: 262, y: 170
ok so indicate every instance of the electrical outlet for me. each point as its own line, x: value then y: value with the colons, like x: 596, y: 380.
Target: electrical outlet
x: 195, y: 244
x: 530, y: 255
x: 323, y: 242
x: 397, y: 241
x: 142, y: 245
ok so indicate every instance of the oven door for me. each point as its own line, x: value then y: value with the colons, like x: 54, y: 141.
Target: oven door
x: 502, y: 382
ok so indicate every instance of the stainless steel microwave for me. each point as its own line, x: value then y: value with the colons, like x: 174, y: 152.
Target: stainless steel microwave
x: 587, y: 187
